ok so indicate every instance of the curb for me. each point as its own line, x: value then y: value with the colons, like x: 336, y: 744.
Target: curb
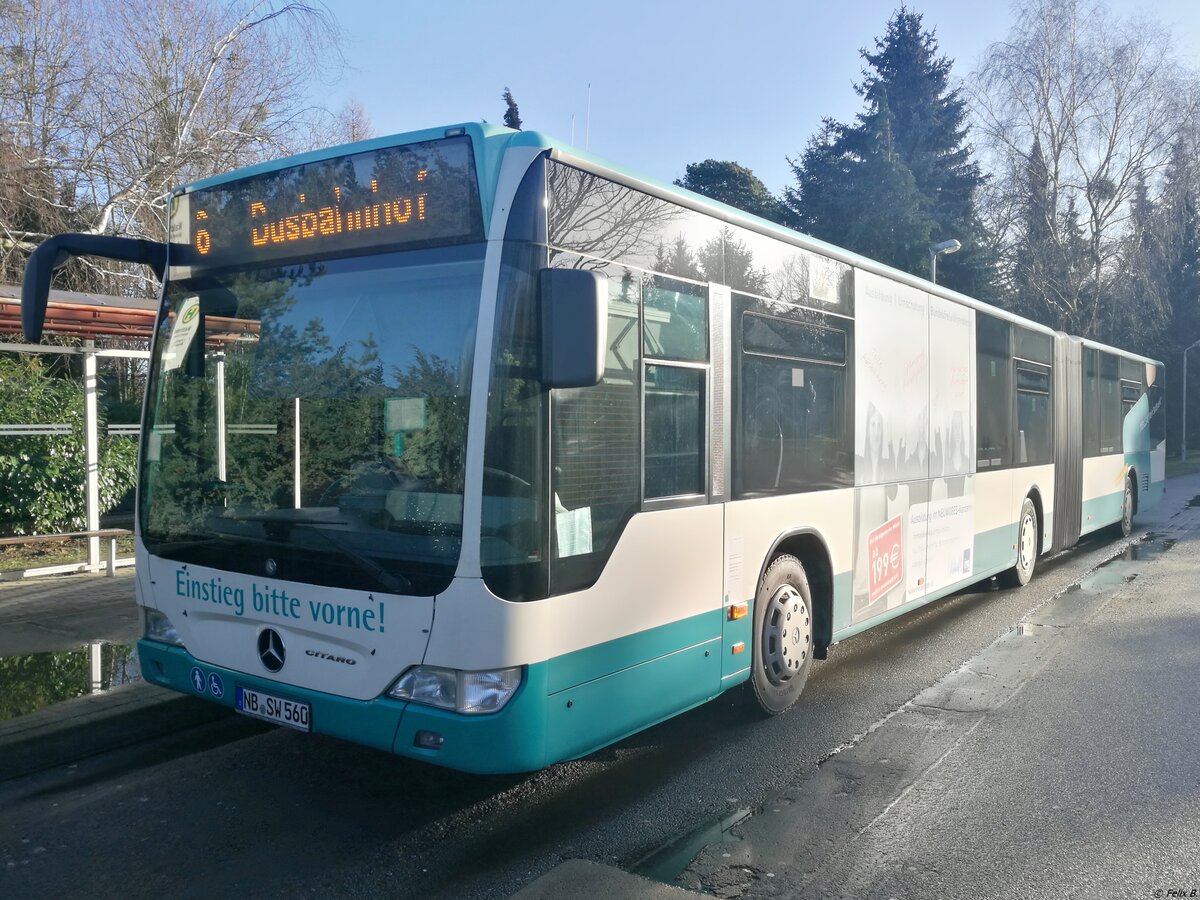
x: 579, y: 879
x: 87, y: 726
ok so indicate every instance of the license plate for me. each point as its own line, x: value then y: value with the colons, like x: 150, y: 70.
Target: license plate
x: 274, y: 709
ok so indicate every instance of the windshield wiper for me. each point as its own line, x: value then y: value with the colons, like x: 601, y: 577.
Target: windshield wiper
x: 392, y: 581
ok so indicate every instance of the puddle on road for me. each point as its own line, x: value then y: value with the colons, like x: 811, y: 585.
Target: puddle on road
x: 667, y: 863
x: 1124, y: 568
x: 37, y: 680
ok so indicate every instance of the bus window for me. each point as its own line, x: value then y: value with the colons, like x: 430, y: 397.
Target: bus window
x: 596, y: 448
x: 674, y: 431
x: 993, y: 392
x: 792, y: 423
x: 1034, y: 416
x: 676, y: 320
x: 1091, y: 402
x: 513, y: 541
x: 1110, y: 404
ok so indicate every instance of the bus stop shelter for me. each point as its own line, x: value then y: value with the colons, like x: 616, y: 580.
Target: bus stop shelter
x: 123, y: 325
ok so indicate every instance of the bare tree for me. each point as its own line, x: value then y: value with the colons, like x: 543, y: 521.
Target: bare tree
x: 42, y: 94
x: 116, y: 102
x: 353, y: 123
x: 1090, y: 106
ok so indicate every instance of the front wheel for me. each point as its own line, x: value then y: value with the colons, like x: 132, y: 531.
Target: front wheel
x: 1027, y: 547
x: 783, y: 635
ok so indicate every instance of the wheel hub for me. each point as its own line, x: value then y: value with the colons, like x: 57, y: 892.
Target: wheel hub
x: 786, y: 634
x: 1027, y: 541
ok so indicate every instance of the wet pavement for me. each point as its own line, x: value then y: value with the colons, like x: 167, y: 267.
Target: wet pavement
x: 70, y: 687
x: 33, y: 681
x: 65, y: 612
x: 63, y: 637
x: 1062, y: 760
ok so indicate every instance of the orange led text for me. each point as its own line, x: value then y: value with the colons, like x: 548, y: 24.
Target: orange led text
x: 333, y: 220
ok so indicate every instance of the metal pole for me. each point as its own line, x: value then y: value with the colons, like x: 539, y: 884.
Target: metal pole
x: 91, y: 454
x: 1183, y: 437
x: 221, y: 474
x: 933, y: 266
x: 296, y: 456
x: 95, y: 666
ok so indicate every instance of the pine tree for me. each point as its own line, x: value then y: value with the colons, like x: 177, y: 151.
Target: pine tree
x: 1176, y: 262
x: 1034, y: 267
x: 728, y: 182
x: 1072, y: 266
x: 512, y: 115
x: 1139, y: 309
x: 902, y: 165
x: 856, y: 191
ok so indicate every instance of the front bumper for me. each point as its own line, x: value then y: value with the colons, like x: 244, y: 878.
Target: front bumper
x: 511, y: 740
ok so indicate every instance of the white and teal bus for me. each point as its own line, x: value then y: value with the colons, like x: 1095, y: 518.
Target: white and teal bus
x: 466, y: 446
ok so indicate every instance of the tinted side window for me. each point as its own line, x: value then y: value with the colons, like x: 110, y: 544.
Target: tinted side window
x: 1155, y: 395
x: 1091, y: 402
x: 513, y: 540
x: 674, y: 431
x: 993, y: 392
x: 676, y: 319
x: 793, y: 430
x: 1035, y: 420
x: 1033, y: 345
x: 595, y: 450
x: 1110, y: 403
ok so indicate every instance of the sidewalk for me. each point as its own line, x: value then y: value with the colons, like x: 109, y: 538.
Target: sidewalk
x: 62, y: 612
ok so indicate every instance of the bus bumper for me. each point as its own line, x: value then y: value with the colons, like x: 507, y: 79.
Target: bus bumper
x: 511, y: 740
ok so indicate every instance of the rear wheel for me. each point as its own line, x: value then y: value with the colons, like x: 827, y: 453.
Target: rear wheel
x: 1127, y: 508
x: 783, y: 635
x: 1027, y: 547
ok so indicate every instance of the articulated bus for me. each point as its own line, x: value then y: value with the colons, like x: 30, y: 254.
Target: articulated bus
x: 466, y: 446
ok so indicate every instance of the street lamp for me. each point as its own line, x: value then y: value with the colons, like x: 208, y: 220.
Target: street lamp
x: 936, y: 250
x: 1183, y: 442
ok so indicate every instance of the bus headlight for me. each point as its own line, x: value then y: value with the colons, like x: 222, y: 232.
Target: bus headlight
x: 471, y: 693
x: 159, y: 628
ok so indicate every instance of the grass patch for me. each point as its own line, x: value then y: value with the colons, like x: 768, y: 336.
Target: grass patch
x: 57, y: 553
x: 1177, y: 466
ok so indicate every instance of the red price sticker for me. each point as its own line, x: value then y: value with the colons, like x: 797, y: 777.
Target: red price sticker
x: 884, y: 558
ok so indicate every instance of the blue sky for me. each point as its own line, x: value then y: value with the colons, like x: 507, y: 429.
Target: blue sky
x: 671, y: 83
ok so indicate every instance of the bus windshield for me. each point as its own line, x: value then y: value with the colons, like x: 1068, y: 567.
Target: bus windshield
x: 308, y: 421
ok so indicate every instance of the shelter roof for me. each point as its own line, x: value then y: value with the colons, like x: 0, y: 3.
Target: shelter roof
x: 83, y: 315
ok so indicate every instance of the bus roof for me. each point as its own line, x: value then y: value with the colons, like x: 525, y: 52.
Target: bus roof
x: 493, y: 140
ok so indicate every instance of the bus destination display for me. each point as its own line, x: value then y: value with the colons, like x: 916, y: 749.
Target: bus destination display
x: 416, y: 195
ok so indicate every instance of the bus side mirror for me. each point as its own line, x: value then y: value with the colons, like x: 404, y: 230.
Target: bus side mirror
x: 574, y: 311
x: 52, y: 253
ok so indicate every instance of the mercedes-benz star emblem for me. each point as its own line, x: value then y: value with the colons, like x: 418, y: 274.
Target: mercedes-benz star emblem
x: 271, y: 568
x: 270, y: 649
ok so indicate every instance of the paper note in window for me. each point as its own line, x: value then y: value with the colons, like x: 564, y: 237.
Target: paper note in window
x: 574, y: 531
x: 187, y: 320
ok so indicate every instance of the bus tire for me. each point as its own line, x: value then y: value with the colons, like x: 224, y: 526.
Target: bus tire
x: 1027, y: 547
x: 1126, y: 524
x: 783, y: 635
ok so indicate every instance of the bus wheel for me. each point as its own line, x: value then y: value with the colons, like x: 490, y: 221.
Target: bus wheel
x: 783, y: 635
x: 1127, y: 508
x: 1027, y: 546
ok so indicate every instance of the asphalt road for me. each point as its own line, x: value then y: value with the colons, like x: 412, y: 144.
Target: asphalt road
x: 238, y: 808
